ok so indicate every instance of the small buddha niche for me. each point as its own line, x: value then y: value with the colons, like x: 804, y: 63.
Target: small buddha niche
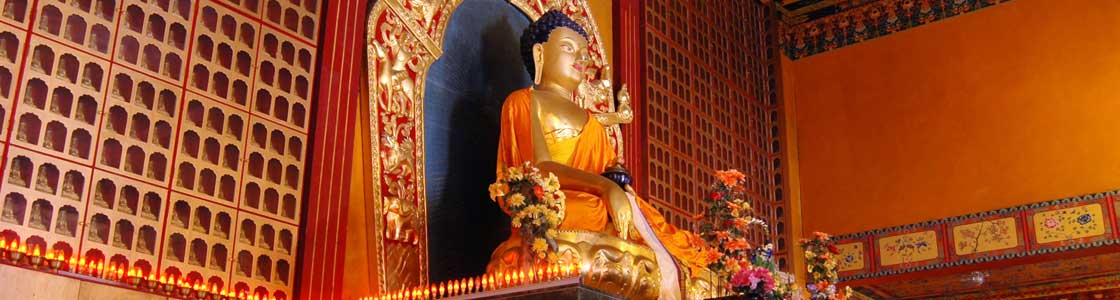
x: 50, y: 20
x: 9, y: 46
x: 92, y: 75
x: 133, y: 160
x: 68, y: 68
x: 15, y: 10
x: 42, y: 59
x: 41, y: 213
x: 156, y: 27
x: 271, y: 200
x: 19, y: 173
x: 123, y: 234
x: 146, y: 241
x: 177, y: 247
x: 99, y: 39
x: 218, y: 257
x: 289, y: 208
x: 244, y: 264
x: 181, y: 214
x: 15, y: 205
x: 134, y: 18
x: 178, y: 36
x: 207, y: 181
x: 285, y: 241
x: 75, y: 30
x: 47, y: 179
x: 106, y: 194
x: 140, y: 126
x: 186, y: 176
x: 171, y: 66
x: 67, y: 223
x: 264, y: 268
x: 151, y: 208
x: 152, y: 56
x: 98, y: 229
x: 28, y: 131
x: 129, y: 200
x: 211, y: 150
x: 122, y: 87
x: 222, y: 225
x: 201, y: 222
x: 248, y: 34
x: 268, y: 237
x: 55, y: 137
x: 111, y: 153
x: 157, y: 166
x: 291, y: 20
x: 130, y: 50
x: 72, y: 185
x: 36, y: 94
x: 248, y: 232
x: 227, y: 188
x: 198, y: 253
x: 61, y: 101
x: 87, y: 109
x: 79, y: 143
x: 105, y: 9
x: 282, y: 270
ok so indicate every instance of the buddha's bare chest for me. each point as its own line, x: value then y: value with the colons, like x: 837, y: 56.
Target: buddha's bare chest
x: 559, y: 116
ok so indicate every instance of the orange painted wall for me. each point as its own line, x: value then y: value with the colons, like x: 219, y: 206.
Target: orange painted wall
x: 1012, y: 104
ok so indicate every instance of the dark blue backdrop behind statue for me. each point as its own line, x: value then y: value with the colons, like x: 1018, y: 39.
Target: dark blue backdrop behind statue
x: 464, y: 91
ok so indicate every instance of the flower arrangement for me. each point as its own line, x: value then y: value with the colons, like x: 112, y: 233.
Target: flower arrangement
x: 761, y: 278
x: 819, y: 252
x: 536, y: 205
x: 724, y: 228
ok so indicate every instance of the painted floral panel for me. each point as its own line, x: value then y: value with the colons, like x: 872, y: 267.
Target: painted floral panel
x: 985, y: 236
x: 1070, y: 223
x: 850, y: 257
x: 908, y: 248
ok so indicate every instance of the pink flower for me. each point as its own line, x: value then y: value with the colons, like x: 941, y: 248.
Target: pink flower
x: 1050, y: 223
x: 750, y: 277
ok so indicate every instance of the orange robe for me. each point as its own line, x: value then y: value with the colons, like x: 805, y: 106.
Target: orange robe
x: 591, y: 152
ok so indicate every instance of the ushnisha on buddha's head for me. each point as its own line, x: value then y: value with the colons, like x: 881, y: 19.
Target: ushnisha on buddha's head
x: 554, y: 49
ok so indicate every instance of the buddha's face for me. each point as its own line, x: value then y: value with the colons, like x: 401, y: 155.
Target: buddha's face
x: 563, y: 58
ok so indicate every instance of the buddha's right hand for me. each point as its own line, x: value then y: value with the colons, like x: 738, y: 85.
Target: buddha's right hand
x: 621, y: 212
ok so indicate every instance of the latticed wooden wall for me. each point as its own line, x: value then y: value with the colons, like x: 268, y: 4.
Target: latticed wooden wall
x: 711, y: 103
x: 169, y: 135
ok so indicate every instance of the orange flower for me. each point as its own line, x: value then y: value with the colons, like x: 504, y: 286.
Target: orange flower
x: 821, y: 235
x: 740, y: 222
x: 711, y: 255
x: 730, y: 177
x: 739, y: 244
x: 721, y: 234
x: 539, y: 191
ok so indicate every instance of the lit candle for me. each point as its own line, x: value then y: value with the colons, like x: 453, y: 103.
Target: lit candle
x: 442, y: 290
x: 470, y: 285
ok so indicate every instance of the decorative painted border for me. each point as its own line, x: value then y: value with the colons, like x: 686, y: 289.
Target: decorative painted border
x: 1026, y: 246
x: 858, y: 22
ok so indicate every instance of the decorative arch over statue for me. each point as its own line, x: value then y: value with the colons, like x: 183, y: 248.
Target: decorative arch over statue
x: 406, y: 41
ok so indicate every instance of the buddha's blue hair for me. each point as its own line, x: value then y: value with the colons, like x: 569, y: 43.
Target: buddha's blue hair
x: 538, y: 32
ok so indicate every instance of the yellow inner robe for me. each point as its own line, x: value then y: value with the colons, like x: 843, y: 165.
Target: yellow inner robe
x: 591, y: 151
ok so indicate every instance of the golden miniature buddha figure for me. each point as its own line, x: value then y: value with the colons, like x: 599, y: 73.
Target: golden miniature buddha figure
x: 544, y: 124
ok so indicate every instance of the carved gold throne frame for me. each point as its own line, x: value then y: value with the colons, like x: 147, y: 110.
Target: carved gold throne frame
x: 403, y: 39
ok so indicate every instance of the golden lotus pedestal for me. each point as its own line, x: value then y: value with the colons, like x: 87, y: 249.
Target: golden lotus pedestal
x: 609, y: 264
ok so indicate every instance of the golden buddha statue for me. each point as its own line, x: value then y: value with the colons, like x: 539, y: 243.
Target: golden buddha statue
x: 545, y: 125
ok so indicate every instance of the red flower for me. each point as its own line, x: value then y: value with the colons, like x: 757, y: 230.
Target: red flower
x: 537, y: 190
x: 833, y: 249
x: 716, y: 195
